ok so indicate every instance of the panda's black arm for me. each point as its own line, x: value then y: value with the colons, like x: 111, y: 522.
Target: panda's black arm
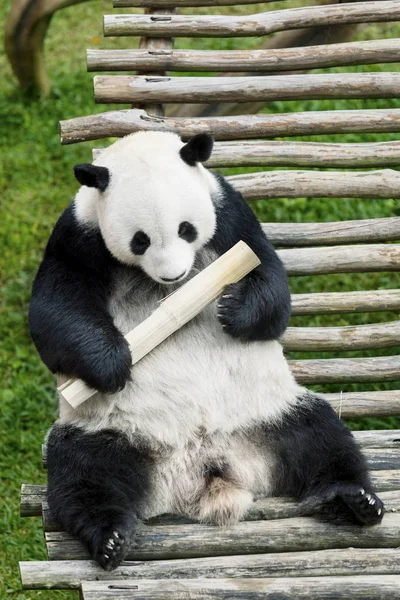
x: 68, y: 316
x: 258, y: 307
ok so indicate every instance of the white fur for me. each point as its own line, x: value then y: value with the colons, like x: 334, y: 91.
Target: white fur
x: 195, y: 398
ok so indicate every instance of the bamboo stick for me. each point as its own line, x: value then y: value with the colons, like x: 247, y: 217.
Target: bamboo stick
x: 282, y: 535
x: 69, y: 574
x: 269, y: 60
x: 122, y: 122
x: 123, y: 89
x: 301, y: 154
x: 357, y: 587
x: 252, y: 25
x: 176, y: 310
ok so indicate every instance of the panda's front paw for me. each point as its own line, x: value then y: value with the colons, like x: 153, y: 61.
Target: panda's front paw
x: 109, y: 368
x: 235, y: 311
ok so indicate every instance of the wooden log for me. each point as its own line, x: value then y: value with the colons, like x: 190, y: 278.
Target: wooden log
x: 338, y: 232
x: 179, y: 3
x: 346, y: 370
x: 252, y: 25
x: 301, y: 154
x: 341, y: 339
x: 311, y: 184
x: 68, y: 574
x: 33, y: 497
x: 122, y: 89
x: 176, y: 310
x: 383, y: 458
x: 149, y: 45
x: 341, y: 259
x: 282, y: 535
x: 281, y: 59
x: 365, y: 404
x: 345, y: 302
x: 386, y: 480
x: 122, y: 122
x: 363, y: 587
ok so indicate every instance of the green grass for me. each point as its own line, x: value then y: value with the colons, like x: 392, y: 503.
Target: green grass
x: 37, y: 184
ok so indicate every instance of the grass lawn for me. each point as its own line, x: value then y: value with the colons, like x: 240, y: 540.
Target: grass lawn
x: 37, y: 184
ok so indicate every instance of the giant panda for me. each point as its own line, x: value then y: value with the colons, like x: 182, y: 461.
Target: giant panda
x: 210, y: 420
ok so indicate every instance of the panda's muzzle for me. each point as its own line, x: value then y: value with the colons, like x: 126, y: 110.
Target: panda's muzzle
x: 168, y: 280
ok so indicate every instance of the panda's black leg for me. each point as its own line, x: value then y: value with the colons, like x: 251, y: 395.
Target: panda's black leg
x: 320, y: 463
x: 97, y: 485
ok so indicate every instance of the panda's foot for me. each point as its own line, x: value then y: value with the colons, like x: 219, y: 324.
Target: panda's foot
x: 366, y: 506
x: 345, y: 503
x: 112, y: 549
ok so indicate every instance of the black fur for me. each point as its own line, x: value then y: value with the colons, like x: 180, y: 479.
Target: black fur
x: 321, y: 465
x: 97, y: 483
x: 92, y: 176
x: 68, y: 317
x: 258, y: 307
x: 198, y: 149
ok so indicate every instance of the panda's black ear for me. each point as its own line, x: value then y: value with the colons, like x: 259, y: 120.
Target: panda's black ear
x: 92, y: 176
x: 198, y: 149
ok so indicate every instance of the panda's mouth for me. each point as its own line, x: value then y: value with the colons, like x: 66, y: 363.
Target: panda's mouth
x: 174, y: 279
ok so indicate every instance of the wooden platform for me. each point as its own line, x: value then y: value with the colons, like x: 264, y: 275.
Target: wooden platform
x: 274, y: 553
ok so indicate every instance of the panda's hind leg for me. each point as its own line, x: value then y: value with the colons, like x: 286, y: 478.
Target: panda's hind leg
x: 96, y: 485
x: 320, y: 464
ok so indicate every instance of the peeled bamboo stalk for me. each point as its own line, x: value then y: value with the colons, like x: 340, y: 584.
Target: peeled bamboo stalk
x: 69, y: 574
x: 269, y: 60
x: 252, y: 25
x: 122, y: 122
x: 129, y: 88
x: 176, y: 310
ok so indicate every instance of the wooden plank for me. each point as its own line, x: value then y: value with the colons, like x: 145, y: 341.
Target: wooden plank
x: 363, y: 587
x: 386, y: 480
x: 345, y: 302
x: 311, y: 184
x: 122, y: 122
x: 33, y: 497
x: 346, y: 370
x: 180, y: 3
x: 122, y: 89
x: 342, y: 339
x: 68, y: 574
x: 252, y: 25
x: 341, y: 259
x: 331, y: 233
x: 365, y: 404
x: 301, y: 154
x: 253, y: 537
x: 280, y: 59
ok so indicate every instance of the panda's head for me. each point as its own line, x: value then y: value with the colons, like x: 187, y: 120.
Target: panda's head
x: 153, y: 201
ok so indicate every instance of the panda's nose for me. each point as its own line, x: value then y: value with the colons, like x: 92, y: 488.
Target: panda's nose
x: 168, y: 280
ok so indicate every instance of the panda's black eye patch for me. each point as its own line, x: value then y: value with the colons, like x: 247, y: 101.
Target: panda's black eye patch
x: 140, y: 242
x: 187, y: 231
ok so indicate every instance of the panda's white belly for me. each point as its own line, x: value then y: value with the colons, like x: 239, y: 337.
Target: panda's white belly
x: 198, y: 379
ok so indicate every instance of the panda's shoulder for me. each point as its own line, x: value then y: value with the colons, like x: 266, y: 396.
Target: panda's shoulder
x: 77, y: 243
